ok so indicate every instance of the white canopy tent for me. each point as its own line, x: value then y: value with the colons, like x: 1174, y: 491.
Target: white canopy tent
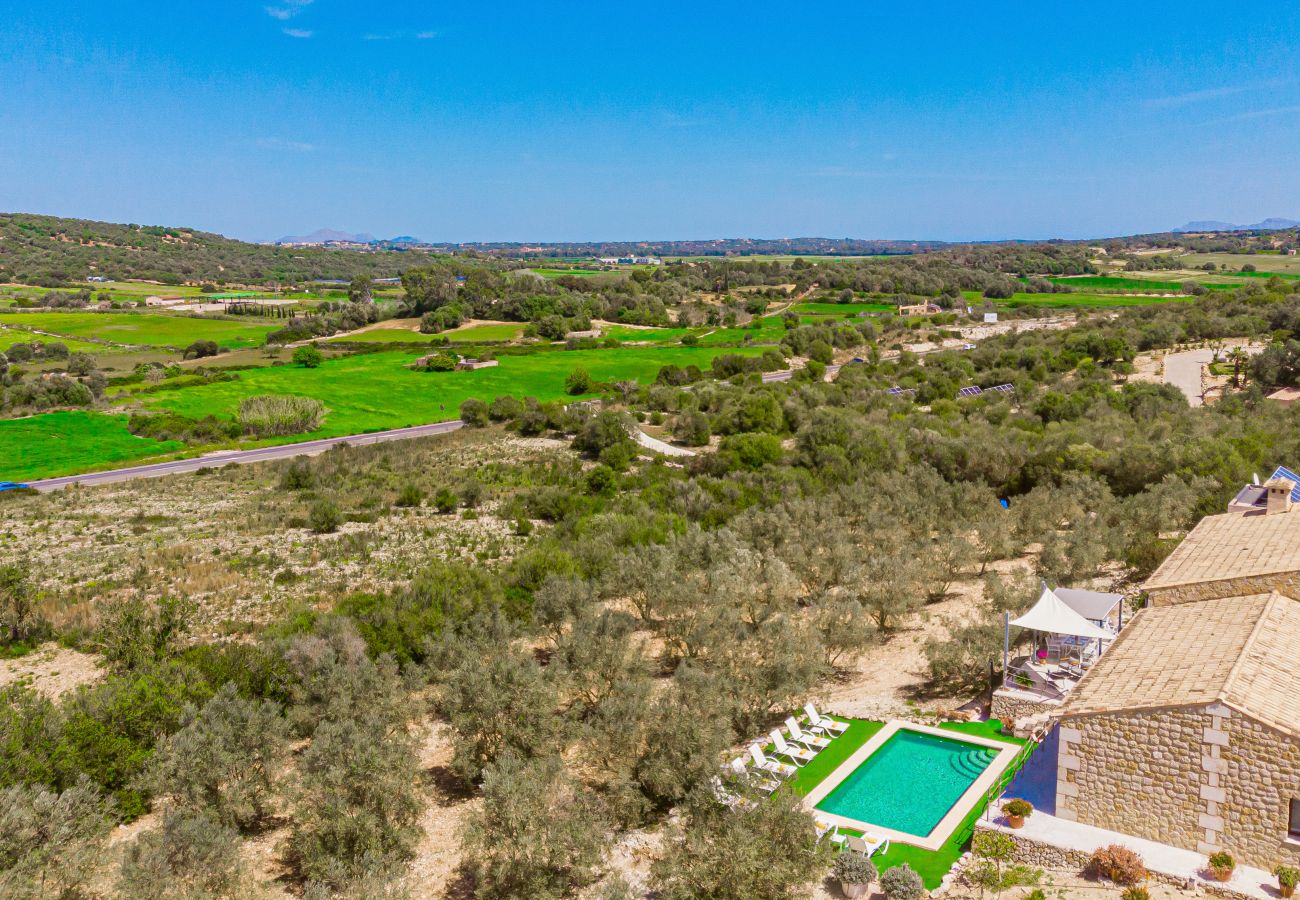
x: 1050, y: 614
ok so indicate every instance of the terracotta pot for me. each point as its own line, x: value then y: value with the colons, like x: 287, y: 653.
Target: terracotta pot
x: 854, y: 890
x: 1221, y: 874
x: 1016, y: 821
x: 1286, y: 890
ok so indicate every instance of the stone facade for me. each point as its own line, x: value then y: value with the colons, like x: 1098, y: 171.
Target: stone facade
x: 1009, y: 709
x: 1287, y: 583
x: 1203, y: 778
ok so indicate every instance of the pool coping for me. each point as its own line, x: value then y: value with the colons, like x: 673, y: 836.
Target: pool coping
x: 953, y: 818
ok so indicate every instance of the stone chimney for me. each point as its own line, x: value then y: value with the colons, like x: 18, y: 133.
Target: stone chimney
x: 1279, y: 494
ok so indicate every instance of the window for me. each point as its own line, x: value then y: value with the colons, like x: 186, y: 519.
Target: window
x: 1293, y: 823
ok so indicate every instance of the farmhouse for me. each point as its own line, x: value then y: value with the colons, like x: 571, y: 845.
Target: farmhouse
x: 1284, y: 396
x: 1187, y: 731
x: 1236, y: 553
x: 578, y: 335
x: 919, y: 309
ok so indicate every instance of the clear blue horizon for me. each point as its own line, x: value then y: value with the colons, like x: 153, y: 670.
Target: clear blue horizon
x: 956, y: 122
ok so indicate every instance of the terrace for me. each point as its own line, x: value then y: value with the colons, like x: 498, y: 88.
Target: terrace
x: 1071, y: 630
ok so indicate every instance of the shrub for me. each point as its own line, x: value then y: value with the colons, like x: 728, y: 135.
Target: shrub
x: 443, y: 361
x: 190, y: 856
x: 50, y: 843
x: 269, y: 415
x: 1287, y: 876
x: 577, y: 382
x: 298, y: 476
x: 1019, y: 808
x: 854, y: 868
x: 325, y: 517
x: 474, y: 412
x: 444, y: 500
x: 1117, y: 863
x: 224, y: 761
x: 357, y: 801
x: 902, y: 883
x: 504, y: 408
x: 410, y: 496
x: 1135, y: 893
x: 308, y: 357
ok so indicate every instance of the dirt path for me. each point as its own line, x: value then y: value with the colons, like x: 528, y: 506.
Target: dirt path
x: 51, y: 670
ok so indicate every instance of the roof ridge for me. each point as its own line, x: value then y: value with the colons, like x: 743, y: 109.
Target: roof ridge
x: 1273, y: 597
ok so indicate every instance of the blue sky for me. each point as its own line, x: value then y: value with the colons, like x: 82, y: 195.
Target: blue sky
x: 566, y: 121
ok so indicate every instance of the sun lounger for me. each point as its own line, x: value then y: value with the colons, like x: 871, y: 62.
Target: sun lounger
x: 812, y: 741
x: 799, y: 755
x: 738, y: 768
x: 830, y: 832
x: 868, y: 844
x: 823, y: 724
x: 783, y: 770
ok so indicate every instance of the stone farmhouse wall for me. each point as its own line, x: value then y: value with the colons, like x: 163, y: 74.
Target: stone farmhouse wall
x: 1284, y: 582
x: 1135, y: 772
x: 1203, y: 778
x: 1260, y: 775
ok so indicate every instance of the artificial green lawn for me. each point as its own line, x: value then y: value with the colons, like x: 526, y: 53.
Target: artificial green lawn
x: 376, y: 391
x: 60, y: 442
x: 931, y: 865
x: 154, y: 329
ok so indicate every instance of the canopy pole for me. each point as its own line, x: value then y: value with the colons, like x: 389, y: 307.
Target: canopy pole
x: 1006, y: 642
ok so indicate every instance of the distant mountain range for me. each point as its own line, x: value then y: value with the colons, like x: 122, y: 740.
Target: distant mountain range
x: 331, y: 236
x: 1274, y: 224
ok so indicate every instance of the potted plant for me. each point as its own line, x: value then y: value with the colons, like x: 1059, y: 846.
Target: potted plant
x: 1221, y: 865
x: 1016, y: 811
x: 855, y: 873
x: 1287, y: 878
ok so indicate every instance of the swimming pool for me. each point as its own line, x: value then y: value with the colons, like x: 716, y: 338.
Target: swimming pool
x: 911, y: 783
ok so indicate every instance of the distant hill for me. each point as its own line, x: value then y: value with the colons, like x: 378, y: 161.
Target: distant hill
x: 1273, y: 224
x: 328, y: 235
x: 51, y: 251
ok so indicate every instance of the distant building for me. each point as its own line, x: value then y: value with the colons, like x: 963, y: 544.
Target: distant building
x: 919, y: 309
x: 469, y: 364
x: 990, y: 318
x: 1285, y: 396
x: 97, y: 278
x: 579, y: 335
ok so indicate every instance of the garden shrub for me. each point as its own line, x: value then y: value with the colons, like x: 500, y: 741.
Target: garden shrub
x: 1117, y: 863
x: 902, y: 883
x: 854, y: 868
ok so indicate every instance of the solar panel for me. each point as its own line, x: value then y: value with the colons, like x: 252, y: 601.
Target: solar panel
x: 895, y: 391
x: 1003, y: 388
x: 972, y: 391
x: 1284, y: 472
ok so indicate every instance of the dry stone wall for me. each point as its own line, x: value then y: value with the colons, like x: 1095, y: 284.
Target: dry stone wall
x: 1260, y: 769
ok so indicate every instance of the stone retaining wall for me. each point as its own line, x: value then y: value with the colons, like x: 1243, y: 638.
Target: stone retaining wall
x: 1042, y: 855
x: 1010, y: 709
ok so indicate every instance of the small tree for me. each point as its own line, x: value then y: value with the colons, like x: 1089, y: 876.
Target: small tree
x: 191, y: 855
x: 225, y: 760
x: 308, y: 357
x: 993, y: 869
x: 325, y: 517
x: 51, y: 843
x: 538, y: 834
x: 17, y: 600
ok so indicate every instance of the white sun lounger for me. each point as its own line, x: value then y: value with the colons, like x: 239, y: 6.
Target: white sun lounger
x: 738, y: 768
x: 799, y: 755
x: 784, y: 770
x: 812, y: 741
x: 868, y: 844
x: 824, y: 724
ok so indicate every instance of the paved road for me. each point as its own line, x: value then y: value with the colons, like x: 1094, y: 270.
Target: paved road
x: 242, y: 457
x: 1183, y: 371
x: 787, y: 374
x: 653, y: 443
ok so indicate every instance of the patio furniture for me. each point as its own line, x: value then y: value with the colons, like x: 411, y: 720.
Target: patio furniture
x: 798, y: 755
x: 776, y: 767
x: 812, y: 741
x: 868, y: 844
x: 738, y: 768
x: 825, y: 724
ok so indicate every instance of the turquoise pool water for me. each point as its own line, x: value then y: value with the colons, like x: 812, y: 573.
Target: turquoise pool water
x: 910, y: 782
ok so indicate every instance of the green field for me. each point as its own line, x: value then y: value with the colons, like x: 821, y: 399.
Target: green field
x: 580, y: 273
x: 11, y: 336
x: 494, y: 331
x: 152, y: 329
x: 624, y: 333
x: 58, y: 443
x: 842, y: 309
x: 375, y: 391
x: 1158, y: 282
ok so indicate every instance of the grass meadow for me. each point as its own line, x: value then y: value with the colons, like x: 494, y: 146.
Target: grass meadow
x: 58, y: 443
x: 152, y: 329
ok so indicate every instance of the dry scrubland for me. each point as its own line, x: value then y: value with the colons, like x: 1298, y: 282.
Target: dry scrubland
x: 237, y: 544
